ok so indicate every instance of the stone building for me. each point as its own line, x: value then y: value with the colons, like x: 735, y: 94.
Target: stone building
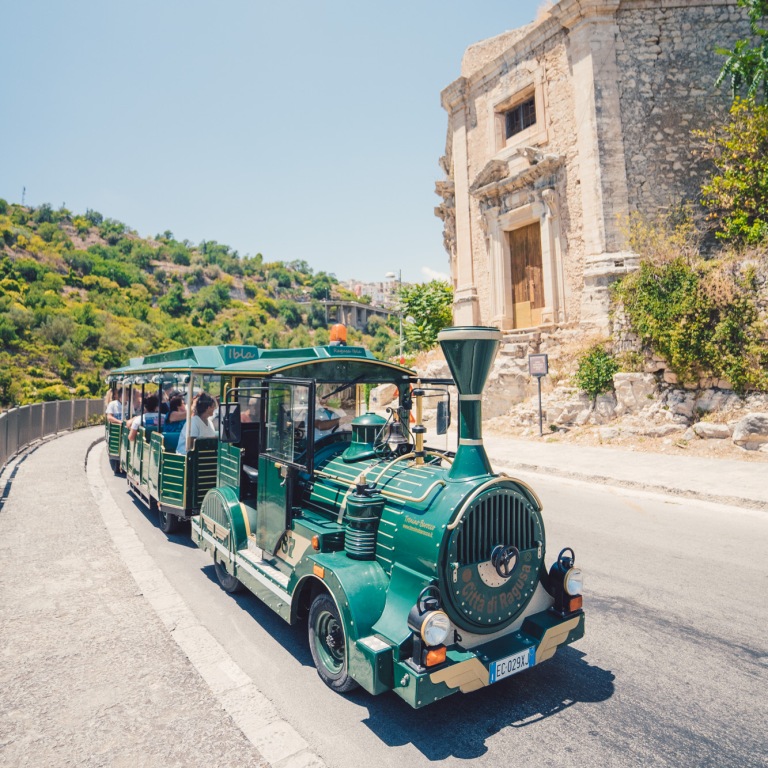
x: 556, y: 132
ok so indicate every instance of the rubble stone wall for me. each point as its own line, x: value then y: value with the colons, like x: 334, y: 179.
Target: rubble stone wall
x: 666, y: 54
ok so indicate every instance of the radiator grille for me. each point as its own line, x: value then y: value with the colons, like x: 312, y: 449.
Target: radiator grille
x: 502, y: 516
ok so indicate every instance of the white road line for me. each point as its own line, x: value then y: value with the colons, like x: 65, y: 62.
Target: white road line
x: 255, y: 715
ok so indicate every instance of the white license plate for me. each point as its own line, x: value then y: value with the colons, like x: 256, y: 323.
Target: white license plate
x: 513, y: 664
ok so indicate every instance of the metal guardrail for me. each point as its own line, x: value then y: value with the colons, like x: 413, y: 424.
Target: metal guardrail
x: 23, y: 425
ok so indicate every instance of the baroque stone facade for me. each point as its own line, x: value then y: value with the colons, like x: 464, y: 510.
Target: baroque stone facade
x: 556, y: 132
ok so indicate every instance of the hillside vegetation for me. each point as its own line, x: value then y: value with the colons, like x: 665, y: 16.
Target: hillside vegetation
x: 80, y: 294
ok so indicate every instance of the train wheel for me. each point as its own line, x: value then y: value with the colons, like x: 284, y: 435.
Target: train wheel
x: 228, y: 582
x: 328, y: 644
x: 168, y: 522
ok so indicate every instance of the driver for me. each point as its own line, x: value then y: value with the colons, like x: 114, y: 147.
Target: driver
x: 325, y: 420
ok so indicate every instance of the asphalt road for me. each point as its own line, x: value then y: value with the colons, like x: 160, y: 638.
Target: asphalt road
x: 671, y: 671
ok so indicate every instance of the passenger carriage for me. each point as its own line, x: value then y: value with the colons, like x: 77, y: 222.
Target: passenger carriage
x: 419, y: 570
x: 172, y: 483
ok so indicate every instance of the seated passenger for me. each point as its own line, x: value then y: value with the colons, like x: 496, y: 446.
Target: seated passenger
x: 200, y: 424
x: 146, y: 419
x: 177, y: 414
x: 114, y: 412
x: 251, y: 414
x: 135, y: 403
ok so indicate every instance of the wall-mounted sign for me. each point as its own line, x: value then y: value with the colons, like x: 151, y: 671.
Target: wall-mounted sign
x: 538, y: 365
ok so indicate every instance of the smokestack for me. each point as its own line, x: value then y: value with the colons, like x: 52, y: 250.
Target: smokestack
x: 470, y: 352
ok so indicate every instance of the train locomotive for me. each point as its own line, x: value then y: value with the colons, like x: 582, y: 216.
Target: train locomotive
x: 418, y: 570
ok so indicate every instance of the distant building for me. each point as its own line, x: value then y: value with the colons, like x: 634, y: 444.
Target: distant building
x: 556, y: 132
x: 383, y: 294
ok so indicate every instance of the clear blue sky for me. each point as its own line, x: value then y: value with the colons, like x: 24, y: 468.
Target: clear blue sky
x: 301, y: 130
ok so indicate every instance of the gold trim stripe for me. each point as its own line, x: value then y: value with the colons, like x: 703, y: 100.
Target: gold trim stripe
x: 554, y: 637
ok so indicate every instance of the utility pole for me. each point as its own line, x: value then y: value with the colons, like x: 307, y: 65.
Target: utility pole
x: 399, y: 277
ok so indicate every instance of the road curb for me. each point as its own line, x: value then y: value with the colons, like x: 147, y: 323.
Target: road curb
x: 256, y: 716
x: 594, y: 479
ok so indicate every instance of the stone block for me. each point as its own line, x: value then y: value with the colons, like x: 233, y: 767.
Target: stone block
x: 751, y: 432
x: 681, y: 403
x: 604, y: 410
x: 709, y: 431
x: 382, y: 395
x: 633, y: 391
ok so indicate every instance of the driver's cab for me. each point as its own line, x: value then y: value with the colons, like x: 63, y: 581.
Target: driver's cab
x: 271, y: 430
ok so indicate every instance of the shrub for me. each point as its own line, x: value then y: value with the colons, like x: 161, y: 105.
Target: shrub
x: 595, y: 372
x: 82, y: 225
x: 702, y: 318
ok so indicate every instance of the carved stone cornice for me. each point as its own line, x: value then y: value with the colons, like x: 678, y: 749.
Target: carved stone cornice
x: 489, y: 183
x: 454, y: 95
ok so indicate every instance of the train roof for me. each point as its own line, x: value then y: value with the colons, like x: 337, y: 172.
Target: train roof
x: 307, y: 362
x: 319, y: 363
x: 190, y: 358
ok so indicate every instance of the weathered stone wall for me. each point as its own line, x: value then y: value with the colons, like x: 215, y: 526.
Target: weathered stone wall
x: 667, y: 60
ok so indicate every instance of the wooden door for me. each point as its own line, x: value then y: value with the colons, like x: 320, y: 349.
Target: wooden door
x: 527, y: 277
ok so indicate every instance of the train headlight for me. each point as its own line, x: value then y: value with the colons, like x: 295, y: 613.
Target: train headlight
x: 574, y: 581
x: 565, y: 583
x: 435, y: 628
x: 431, y: 628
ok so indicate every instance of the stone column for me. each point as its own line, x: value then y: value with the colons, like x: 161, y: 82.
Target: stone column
x: 501, y: 313
x: 465, y: 306
x: 551, y: 232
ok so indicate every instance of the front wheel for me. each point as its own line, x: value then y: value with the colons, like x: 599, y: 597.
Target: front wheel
x: 328, y: 644
x: 168, y: 522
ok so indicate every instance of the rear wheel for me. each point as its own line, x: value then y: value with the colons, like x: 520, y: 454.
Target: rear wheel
x: 328, y: 644
x: 168, y: 522
x: 229, y: 583
x: 115, y: 464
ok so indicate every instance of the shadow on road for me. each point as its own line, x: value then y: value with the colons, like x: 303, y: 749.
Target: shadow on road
x: 182, y: 534
x: 292, y: 638
x: 460, y: 725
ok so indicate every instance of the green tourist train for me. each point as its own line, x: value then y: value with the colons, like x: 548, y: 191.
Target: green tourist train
x: 418, y: 570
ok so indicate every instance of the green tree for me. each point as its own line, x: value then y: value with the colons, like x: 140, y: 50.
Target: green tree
x: 746, y: 65
x: 173, y: 302
x: 430, y: 306
x: 94, y: 217
x: 43, y: 214
x: 288, y: 312
x: 737, y: 194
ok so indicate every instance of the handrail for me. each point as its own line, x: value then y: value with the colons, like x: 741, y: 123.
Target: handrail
x: 25, y: 424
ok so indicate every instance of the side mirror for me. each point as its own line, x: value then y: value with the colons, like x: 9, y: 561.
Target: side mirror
x: 229, y: 423
x: 443, y: 417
